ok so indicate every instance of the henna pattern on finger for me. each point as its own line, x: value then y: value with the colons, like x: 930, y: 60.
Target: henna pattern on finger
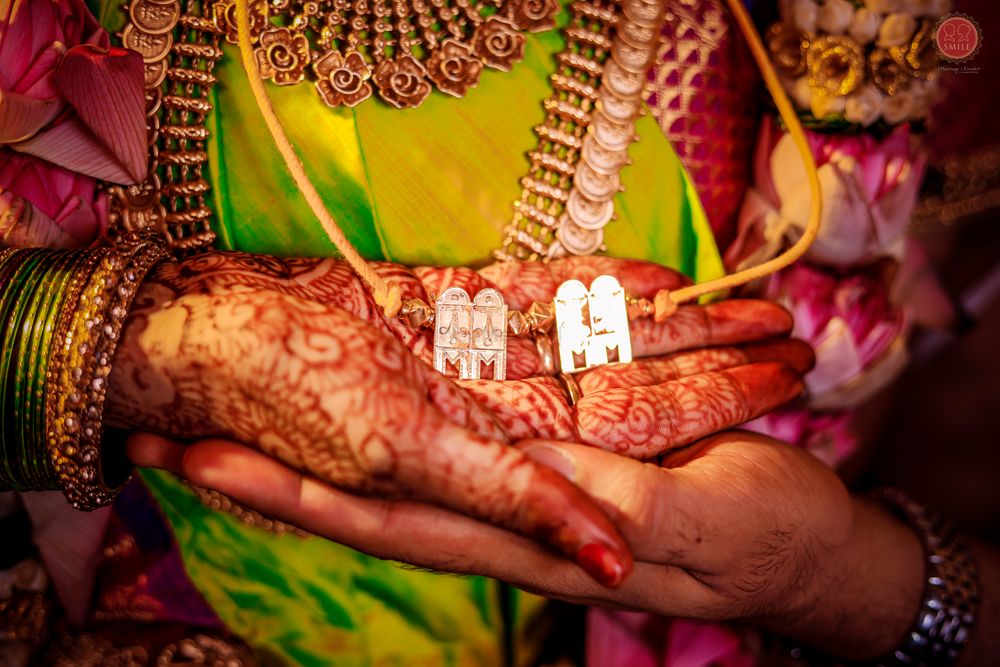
x: 532, y: 408
x: 657, y: 370
x: 437, y: 279
x: 643, y: 422
x: 795, y: 354
x: 724, y: 323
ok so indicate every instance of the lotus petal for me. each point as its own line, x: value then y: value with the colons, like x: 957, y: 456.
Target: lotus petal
x: 70, y: 144
x: 22, y: 116
x: 105, y: 88
x: 23, y: 225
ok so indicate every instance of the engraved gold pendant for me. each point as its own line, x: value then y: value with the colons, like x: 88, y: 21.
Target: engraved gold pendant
x: 471, y: 333
x: 592, y: 326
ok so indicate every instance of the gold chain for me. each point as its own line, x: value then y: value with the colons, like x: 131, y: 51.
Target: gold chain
x: 597, y: 96
x: 179, y: 49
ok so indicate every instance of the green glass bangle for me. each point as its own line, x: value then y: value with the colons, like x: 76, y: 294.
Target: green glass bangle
x: 9, y: 261
x: 30, y: 449
x: 25, y: 341
x: 11, y: 311
x: 13, y: 371
x: 38, y: 359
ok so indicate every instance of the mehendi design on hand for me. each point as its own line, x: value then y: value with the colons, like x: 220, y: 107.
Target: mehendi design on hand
x: 303, y: 294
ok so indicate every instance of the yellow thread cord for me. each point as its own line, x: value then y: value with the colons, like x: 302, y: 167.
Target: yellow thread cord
x: 666, y: 303
x: 386, y: 296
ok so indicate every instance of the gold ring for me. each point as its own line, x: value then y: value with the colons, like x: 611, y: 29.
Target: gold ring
x: 573, y: 391
x: 545, y: 354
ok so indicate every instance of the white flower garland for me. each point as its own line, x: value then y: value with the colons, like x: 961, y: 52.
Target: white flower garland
x: 871, y: 24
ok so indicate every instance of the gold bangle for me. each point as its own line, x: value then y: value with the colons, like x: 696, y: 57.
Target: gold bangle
x: 76, y: 386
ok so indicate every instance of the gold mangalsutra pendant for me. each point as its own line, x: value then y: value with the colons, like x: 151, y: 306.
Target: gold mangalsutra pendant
x: 592, y: 326
x: 471, y: 333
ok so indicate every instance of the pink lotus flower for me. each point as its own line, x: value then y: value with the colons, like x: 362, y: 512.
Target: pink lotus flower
x: 646, y: 640
x: 857, y: 333
x: 65, y: 96
x: 45, y: 205
x: 869, y: 187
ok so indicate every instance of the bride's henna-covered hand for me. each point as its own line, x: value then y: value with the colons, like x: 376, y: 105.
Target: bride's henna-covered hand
x: 293, y: 357
x: 326, y: 392
x: 641, y: 409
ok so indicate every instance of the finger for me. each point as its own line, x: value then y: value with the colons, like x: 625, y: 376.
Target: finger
x: 659, y: 516
x: 795, y: 354
x: 409, y: 531
x: 462, y: 407
x: 148, y: 450
x: 437, y: 279
x: 724, y: 323
x: 404, y: 530
x: 533, y: 408
x: 417, y: 533
x: 496, y: 483
x: 644, y: 422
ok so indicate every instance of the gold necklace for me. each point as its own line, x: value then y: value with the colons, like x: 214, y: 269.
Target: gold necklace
x: 589, y: 120
x: 598, y: 94
x: 396, y: 48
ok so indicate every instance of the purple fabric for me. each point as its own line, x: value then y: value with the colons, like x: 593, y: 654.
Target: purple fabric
x: 143, y: 575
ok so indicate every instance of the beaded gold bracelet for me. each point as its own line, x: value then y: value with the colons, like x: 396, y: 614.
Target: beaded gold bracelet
x: 86, y: 338
x: 61, y: 313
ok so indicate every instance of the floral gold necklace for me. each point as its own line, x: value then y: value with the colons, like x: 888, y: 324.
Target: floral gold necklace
x: 398, y: 49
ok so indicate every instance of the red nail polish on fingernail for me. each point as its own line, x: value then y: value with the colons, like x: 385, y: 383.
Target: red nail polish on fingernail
x: 601, y: 563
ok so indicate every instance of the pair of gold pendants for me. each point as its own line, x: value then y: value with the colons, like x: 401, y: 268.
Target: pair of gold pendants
x: 592, y: 329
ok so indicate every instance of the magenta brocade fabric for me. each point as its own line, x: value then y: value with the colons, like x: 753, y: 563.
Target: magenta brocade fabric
x: 705, y: 91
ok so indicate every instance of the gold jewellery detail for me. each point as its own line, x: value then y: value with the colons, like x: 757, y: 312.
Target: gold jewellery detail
x: 839, y: 65
x: 86, y: 337
x: 568, y: 194
x: 179, y: 46
x: 398, y: 49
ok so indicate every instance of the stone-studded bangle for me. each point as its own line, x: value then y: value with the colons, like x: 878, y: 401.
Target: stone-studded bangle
x: 951, y: 594
x: 86, y: 335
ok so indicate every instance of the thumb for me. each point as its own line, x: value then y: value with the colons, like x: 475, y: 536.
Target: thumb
x: 650, y: 504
